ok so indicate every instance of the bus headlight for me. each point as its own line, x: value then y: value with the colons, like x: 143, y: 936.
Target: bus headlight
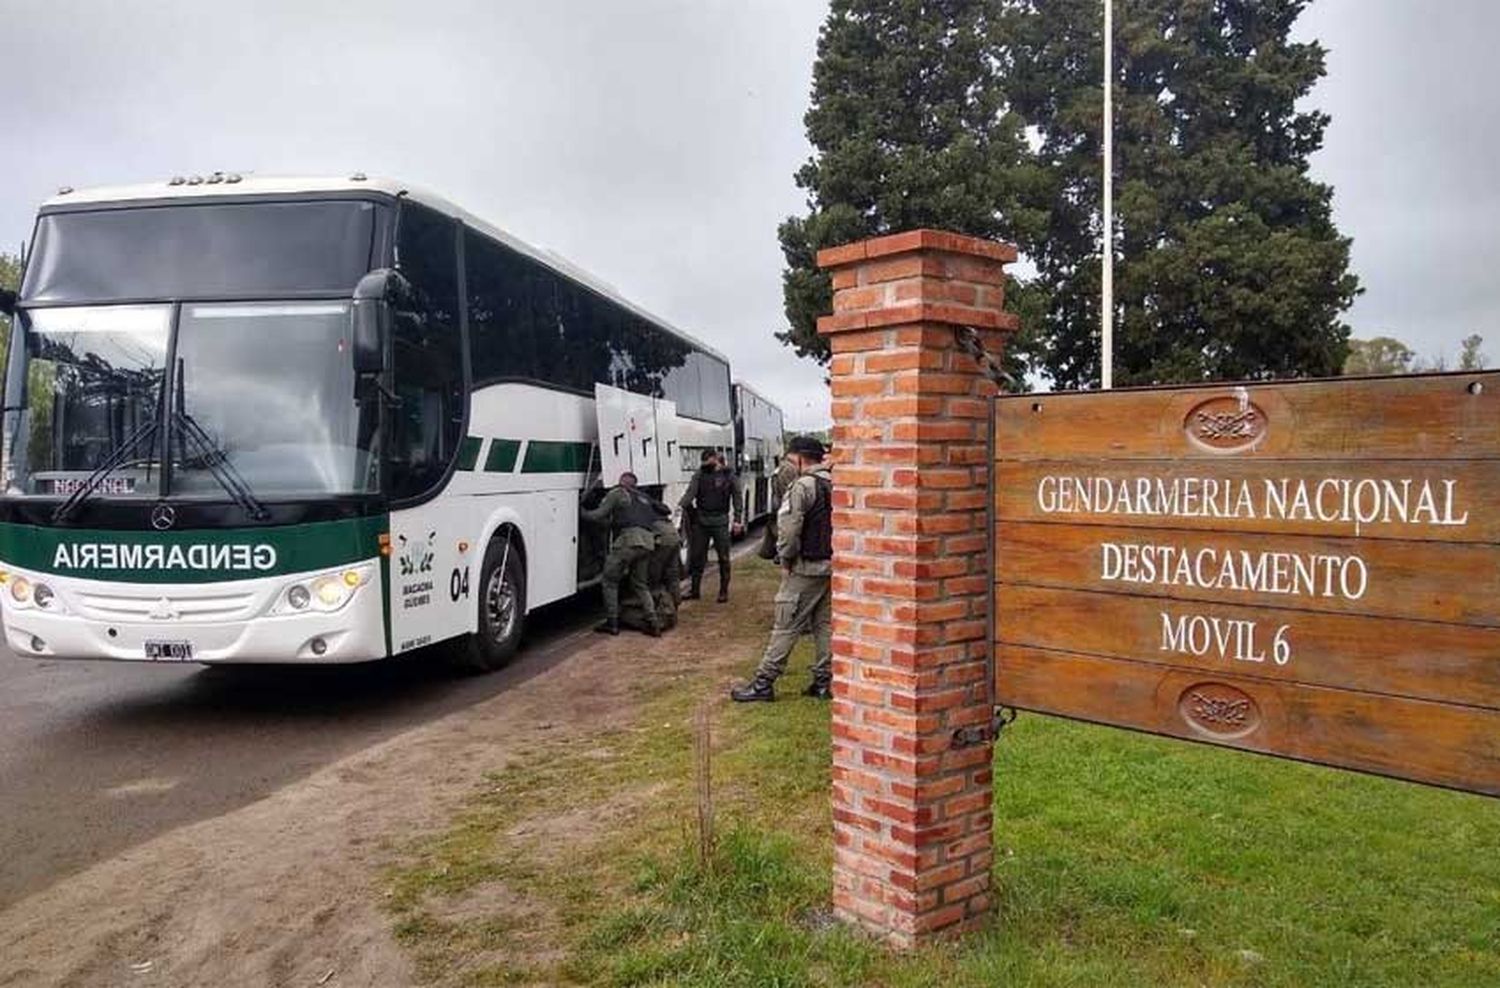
x: 330, y: 591
x: 26, y: 594
x: 325, y: 592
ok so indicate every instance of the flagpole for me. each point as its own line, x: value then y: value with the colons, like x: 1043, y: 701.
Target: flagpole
x: 1107, y: 303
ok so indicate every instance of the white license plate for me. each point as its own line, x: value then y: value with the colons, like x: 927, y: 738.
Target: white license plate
x: 169, y: 651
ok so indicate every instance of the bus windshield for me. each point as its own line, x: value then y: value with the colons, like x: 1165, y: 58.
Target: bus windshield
x: 272, y: 386
x: 265, y: 389
x: 86, y: 382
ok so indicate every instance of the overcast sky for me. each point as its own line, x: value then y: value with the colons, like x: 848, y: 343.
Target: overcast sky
x: 653, y: 142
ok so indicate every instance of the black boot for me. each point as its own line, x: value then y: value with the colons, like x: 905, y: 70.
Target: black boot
x: 694, y: 589
x: 758, y: 690
x: 609, y: 626
x: 819, y: 689
x: 723, y: 597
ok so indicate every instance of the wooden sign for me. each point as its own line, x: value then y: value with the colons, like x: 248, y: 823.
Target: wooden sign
x: 1306, y: 569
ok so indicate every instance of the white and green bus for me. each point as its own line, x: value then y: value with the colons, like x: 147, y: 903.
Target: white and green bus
x: 760, y: 441
x: 317, y: 421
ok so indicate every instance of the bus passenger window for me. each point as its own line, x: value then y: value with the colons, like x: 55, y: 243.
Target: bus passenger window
x: 426, y: 354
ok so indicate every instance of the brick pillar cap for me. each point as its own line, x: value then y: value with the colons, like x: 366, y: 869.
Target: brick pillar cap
x: 912, y: 240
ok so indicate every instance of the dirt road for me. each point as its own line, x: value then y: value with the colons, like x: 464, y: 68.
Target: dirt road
x: 194, y: 829
x: 97, y: 757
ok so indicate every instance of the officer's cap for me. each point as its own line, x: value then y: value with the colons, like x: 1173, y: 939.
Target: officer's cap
x: 806, y: 446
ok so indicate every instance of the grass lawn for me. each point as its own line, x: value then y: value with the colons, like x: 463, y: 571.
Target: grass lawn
x: 1121, y: 860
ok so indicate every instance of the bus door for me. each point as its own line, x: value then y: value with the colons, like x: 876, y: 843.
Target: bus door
x: 627, y: 435
x: 668, y: 455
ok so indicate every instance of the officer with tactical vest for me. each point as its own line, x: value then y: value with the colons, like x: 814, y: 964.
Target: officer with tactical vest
x: 631, y: 516
x: 781, y: 481
x: 804, y: 605
x: 712, y: 497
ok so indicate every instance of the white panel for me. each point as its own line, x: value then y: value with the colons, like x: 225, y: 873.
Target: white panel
x: 552, y: 537
x: 668, y: 455
x: 616, y: 443
x: 433, y: 559
x: 643, y: 441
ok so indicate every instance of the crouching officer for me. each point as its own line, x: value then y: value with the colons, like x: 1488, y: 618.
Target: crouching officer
x: 666, y: 569
x: 804, y: 526
x: 630, y: 515
x: 663, y: 573
x: 712, y: 496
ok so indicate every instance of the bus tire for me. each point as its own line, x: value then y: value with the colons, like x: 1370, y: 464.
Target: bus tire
x: 502, y: 610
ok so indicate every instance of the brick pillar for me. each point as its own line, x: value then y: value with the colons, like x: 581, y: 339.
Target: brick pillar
x: 912, y: 808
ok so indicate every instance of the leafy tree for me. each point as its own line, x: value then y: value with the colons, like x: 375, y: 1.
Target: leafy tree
x: 1470, y: 358
x: 10, y: 280
x: 910, y: 130
x: 1379, y: 355
x: 1228, y: 261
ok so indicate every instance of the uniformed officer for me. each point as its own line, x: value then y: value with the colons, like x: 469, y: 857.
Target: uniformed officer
x: 781, y: 480
x: 804, y: 526
x: 631, y: 517
x: 663, y: 574
x: 666, y: 571
x: 711, y: 499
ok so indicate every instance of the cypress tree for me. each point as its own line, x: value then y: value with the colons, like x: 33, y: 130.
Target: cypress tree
x: 910, y: 130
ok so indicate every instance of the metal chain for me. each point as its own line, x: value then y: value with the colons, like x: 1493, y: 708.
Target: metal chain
x: 967, y: 338
x: 968, y: 341
x: 1000, y: 718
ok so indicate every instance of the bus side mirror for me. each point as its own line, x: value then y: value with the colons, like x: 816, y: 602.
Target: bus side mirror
x: 7, y: 302
x: 372, y: 297
x: 368, y: 345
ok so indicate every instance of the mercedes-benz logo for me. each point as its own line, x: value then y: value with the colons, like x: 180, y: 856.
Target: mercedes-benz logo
x: 163, y: 517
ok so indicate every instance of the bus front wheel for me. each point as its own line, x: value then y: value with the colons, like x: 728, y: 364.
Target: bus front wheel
x: 502, y: 608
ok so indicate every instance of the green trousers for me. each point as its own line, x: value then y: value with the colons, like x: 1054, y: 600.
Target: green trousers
x: 699, y: 538
x: 632, y: 564
x: 665, y: 579
x: 804, y: 605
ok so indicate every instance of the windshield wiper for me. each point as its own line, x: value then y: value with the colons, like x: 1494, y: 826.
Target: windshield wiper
x: 216, y: 462
x: 214, y: 459
x: 111, y: 462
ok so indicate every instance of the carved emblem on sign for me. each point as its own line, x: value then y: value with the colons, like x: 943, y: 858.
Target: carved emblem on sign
x: 1219, y: 709
x: 1226, y: 424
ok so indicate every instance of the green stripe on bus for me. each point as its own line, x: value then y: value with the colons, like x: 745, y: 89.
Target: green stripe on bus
x: 191, y: 556
x: 547, y: 456
x: 502, y: 456
x: 468, y: 452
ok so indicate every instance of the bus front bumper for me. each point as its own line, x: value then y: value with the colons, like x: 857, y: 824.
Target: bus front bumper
x: 225, y: 623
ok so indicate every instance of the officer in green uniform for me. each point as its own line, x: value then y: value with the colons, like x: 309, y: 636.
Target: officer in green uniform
x: 712, y: 497
x: 804, y: 604
x: 664, y: 573
x: 630, y: 516
x: 781, y: 481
